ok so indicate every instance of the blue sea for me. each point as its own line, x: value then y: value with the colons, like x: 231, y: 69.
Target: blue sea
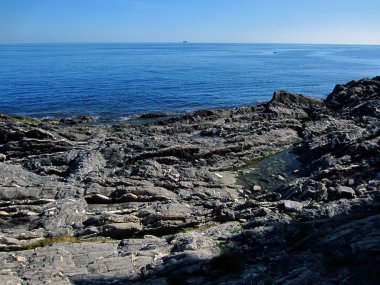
x: 115, y: 81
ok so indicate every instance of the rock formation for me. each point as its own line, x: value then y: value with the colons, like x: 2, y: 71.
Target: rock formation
x: 161, y: 203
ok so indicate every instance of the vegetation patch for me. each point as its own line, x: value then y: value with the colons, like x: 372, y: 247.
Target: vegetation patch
x: 293, y: 215
x: 49, y: 241
x: 29, y: 121
x: 99, y: 239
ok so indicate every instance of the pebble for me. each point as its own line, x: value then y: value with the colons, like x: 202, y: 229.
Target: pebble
x: 282, y: 178
x: 218, y: 175
x: 256, y: 188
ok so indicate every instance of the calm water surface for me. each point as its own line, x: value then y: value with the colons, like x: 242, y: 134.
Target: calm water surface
x: 114, y: 81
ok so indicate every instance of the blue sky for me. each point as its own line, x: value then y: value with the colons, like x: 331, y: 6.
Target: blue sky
x: 248, y: 21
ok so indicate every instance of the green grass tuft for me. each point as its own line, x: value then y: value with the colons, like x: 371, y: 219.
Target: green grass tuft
x: 29, y: 121
x: 49, y: 241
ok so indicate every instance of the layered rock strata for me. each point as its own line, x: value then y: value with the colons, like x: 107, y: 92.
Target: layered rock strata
x: 161, y: 203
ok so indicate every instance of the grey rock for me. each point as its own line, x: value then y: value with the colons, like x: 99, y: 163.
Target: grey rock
x: 120, y: 230
x: 192, y: 242
x: 345, y: 192
x: 9, y: 241
x: 60, y: 217
x: 85, y: 163
x: 292, y: 206
x: 256, y: 188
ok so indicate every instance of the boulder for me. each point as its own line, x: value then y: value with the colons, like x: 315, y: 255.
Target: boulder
x: 345, y: 192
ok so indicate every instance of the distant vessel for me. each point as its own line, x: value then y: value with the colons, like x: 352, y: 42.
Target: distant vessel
x: 184, y: 42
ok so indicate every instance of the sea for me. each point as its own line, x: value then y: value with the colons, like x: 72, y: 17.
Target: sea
x: 114, y: 82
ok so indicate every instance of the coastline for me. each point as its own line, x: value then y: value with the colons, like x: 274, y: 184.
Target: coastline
x: 144, y: 203
x: 116, y: 81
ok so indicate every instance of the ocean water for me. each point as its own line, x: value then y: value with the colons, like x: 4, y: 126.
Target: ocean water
x: 115, y: 81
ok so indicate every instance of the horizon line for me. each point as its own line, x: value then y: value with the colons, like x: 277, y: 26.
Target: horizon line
x: 188, y: 42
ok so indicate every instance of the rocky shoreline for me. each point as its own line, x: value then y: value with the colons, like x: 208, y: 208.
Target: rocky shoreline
x: 161, y: 203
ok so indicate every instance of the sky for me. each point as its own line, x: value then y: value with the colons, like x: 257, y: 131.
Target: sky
x: 225, y: 21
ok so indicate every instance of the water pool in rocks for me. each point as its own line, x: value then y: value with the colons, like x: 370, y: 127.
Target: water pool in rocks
x: 270, y: 172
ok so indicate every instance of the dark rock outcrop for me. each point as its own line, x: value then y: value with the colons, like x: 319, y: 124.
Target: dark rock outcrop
x: 286, y: 104
x: 356, y: 99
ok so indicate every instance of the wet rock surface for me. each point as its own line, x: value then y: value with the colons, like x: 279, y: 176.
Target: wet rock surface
x: 161, y: 203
